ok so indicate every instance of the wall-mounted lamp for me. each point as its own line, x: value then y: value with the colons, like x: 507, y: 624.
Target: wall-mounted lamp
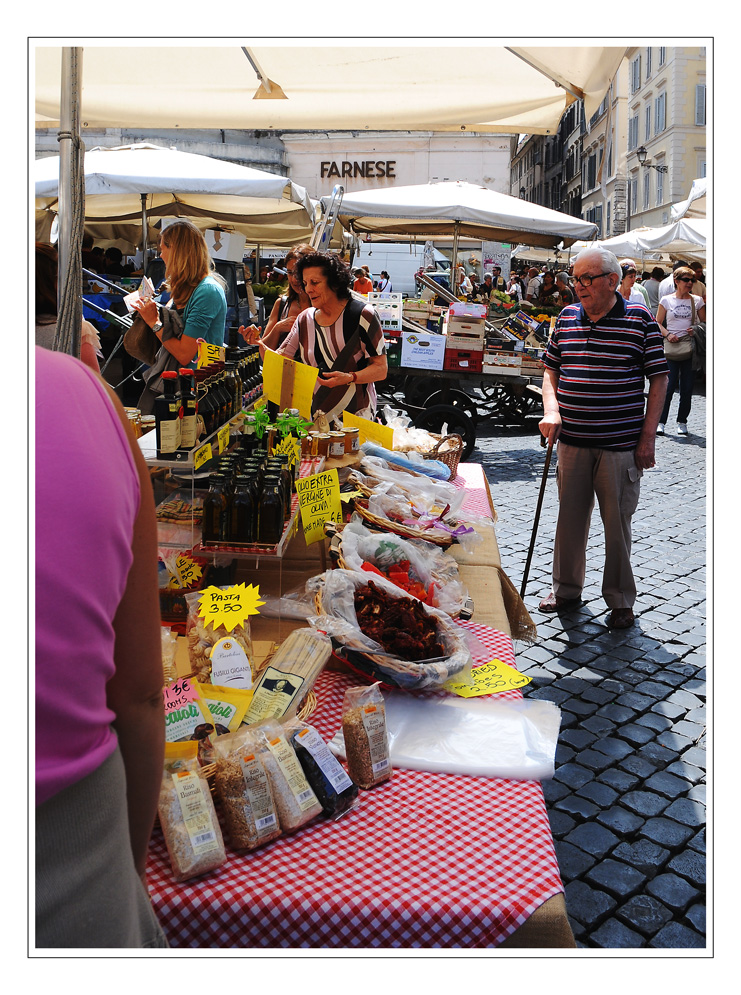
x: 643, y: 155
x: 522, y: 193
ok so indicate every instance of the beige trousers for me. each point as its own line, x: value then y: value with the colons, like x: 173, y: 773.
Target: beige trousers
x: 615, y: 480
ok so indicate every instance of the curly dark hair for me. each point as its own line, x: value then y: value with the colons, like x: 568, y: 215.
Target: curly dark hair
x: 338, y: 274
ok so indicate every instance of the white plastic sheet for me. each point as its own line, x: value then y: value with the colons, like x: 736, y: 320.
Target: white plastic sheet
x: 478, y: 736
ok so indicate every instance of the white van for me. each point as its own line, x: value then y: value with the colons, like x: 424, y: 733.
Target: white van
x: 401, y: 260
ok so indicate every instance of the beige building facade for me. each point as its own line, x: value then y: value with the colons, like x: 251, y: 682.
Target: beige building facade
x: 667, y: 112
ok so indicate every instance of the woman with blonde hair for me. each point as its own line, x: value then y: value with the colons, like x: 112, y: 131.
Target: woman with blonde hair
x: 196, y: 293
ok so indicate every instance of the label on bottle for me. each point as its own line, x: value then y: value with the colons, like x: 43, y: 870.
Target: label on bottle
x: 170, y: 432
x: 189, y: 427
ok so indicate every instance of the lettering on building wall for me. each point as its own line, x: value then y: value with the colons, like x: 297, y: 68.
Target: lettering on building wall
x: 366, y: 169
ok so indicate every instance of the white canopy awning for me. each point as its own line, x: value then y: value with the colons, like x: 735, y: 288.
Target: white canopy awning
x: 210, y: 191
x: 286, y: 83
x: 466, y: 208
x: 686, y: 236
x: 695, y: 205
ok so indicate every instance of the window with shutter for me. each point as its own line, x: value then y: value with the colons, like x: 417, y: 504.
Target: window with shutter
x: 700, y: 104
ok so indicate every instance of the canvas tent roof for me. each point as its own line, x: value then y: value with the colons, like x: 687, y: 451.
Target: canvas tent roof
x: 289, y: 83
x: 695, y: 205
x: 466, y: 208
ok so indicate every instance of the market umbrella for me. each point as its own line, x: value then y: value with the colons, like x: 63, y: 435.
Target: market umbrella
x: 125, y: 184
x: 459, y: 209
x: 338, y: 84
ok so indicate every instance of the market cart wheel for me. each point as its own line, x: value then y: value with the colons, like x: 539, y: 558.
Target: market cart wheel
x: 458, y: 398
x: 432, y: 419
x: 418, y: 389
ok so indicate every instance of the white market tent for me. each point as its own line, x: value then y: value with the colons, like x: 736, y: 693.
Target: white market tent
x: 687, y: 237
x: 338, y: 84
x: 695, y: 206
x: 289, y: 84
x: 459, y: 209
x: 121, y: 183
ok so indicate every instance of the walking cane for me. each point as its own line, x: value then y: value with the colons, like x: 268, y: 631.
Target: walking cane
x: 537, y: 514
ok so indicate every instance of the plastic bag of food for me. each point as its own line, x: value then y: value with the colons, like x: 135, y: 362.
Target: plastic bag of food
x: 204, y: 639
x: 186, y: 714
x: 387, y: 635
x: 294, y: 797
x: 406, y: 560
x: 332, y: 785
x: 187, y: 815
x: 169, y: 647
x: 244, y: 789
x: 226, y: 705
x: 289, y: 675
x: 366, y: 736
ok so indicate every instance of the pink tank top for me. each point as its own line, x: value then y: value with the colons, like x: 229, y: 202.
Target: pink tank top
x: 87, y: 498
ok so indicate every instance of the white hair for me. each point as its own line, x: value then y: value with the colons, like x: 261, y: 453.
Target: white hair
x: 608, y: 260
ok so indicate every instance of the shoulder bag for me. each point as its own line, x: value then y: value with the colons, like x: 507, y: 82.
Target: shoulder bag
x: 679, y: 351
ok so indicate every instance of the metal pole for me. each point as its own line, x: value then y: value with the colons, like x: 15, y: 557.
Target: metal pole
x: 69, y: 318
x: 455, y: 259
x: 144, y: 232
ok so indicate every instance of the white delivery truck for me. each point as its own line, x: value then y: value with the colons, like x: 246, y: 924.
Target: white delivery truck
x: 401, y: 260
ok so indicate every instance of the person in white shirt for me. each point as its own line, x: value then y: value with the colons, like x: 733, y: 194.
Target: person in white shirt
x: 533, y: 284
x: 676, y: 315
x: 667, y: 284
x: 627, y: 285
x: 636, y: 286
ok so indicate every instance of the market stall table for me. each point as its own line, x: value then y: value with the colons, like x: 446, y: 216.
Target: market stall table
x: 425, y: 861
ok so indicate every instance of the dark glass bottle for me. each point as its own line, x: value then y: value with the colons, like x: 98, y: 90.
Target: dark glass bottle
x: 216, y: 509
x: 242, y: 523
x: 168, y: 414
x: 207, y: 408
x: 189, y: 426
x: 270, y: 513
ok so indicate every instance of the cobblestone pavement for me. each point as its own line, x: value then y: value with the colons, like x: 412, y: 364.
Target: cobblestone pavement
x: 627, y: 804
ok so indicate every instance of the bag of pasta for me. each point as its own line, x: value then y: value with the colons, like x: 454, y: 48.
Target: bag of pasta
x: 187, y: 815
x: 244, y: 789
x: 366, y: 736
x: 217, y: 650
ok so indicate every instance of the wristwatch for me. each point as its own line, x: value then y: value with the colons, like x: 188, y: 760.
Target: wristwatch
x: 354, y: 377
x: 157, y: 326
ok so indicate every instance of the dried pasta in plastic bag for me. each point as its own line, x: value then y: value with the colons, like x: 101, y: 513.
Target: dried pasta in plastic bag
x: 244, y: 789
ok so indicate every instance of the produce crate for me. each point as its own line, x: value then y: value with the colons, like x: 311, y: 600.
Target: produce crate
x: 466, y: 360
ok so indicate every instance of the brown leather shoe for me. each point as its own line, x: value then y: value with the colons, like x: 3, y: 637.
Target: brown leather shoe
x: 552, y: 603
x: 621, y: 618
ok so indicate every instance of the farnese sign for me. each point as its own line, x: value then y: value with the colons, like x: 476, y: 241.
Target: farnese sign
x: 368, y: 168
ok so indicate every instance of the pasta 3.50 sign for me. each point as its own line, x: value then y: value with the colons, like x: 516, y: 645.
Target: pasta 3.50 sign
x: 229, y: 606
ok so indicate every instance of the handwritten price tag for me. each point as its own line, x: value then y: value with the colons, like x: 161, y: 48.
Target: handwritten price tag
x: 319, y: 501
x: 187, y: 572
x: 203, y: 455
x: 208, y: 354
x: 178, y: 693
x: 289, y: 447
x: 229, y: 606
x: 491, y: 678
x: 222, y: 437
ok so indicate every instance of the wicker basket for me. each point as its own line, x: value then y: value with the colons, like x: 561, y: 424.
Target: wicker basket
x: 406, y: 531
x: 451, y: 456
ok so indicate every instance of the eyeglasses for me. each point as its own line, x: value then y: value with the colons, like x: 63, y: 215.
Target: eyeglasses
x: 686, y: 279
x: 586, y: 281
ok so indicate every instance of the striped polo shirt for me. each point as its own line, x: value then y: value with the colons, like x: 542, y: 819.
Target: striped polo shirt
x: 601, y: 369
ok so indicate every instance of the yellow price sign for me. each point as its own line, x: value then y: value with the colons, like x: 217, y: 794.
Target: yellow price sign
x: 289, y: 447
x: 229, y: 606
x: 491, y: 678
x: 201, y: 456
x: 369, y: 431
x: 209, y: 353
x: 222, y: 437
x: 319, y: 501
x: 187, y: 572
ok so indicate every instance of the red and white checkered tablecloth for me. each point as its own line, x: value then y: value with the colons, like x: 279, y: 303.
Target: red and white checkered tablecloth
x: 425, y: 861
x: 470, y: 477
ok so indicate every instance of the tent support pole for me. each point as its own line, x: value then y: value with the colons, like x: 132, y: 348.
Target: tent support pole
x: 144, y: 232
x: 69, y: 320
x: 454, y: 262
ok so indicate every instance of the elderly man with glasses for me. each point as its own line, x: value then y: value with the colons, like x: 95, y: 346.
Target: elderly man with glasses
x: 601, y: 351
